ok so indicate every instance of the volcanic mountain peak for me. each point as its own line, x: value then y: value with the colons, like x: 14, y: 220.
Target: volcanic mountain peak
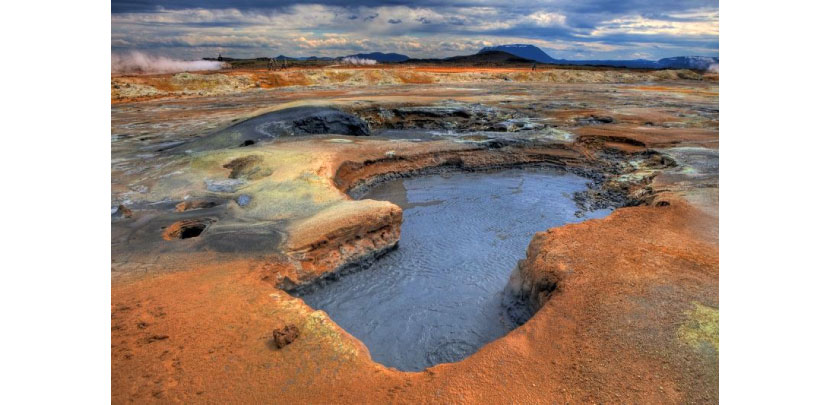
x: 525, y: 51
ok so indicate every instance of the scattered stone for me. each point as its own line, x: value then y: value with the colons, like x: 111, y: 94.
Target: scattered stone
x: 595, y: 120
x: 224, y: 186
x: 285, y: 334
x: 243, y: 200
x: 519, y: 124
x: 453, y: 110
x: 121, y: 212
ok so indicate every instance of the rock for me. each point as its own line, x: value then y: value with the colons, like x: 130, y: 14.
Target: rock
x: 594, y: 120
x: 435, y: 111
x: 331, y: 122
x: 224, y: 186
x: 296, y: 121
x: 243, y: 200
x: 121, y: 212
x: 518, y: 124
x: 285, y: 334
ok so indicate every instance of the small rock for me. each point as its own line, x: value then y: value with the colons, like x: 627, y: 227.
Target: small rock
x: 224, y: 186
x: 285, y: 334
x: 243, y: 200
x: 508, y: 126
x: 121, y: 212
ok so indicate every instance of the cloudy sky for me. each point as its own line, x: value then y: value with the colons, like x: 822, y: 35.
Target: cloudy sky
x: 572, y: 29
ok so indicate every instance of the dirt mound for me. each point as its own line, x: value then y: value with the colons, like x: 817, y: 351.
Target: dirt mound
x: 296, y: 121
x: 248, y: 167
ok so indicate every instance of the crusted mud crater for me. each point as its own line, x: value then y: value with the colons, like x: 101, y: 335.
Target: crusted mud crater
x: 441, y: 295
x: 227, y: 213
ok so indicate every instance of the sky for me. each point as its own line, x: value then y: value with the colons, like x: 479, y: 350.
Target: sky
x: 572, y: 29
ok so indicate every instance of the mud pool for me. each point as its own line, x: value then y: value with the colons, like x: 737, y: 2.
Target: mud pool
x: 439, y: 297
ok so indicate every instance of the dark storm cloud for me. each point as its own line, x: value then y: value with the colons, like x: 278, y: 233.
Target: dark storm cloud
x: 586, y: 28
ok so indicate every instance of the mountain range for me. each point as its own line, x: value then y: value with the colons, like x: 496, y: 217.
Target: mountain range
x: 523, y: 53
x: 380, y: 56
x: 535, y: 54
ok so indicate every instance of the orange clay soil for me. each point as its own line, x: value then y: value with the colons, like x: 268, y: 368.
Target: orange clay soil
x: 653, y: 137
x: 131, y: 88
x: 622, y: 326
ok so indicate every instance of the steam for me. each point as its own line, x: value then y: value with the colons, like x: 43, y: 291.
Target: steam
x: 137, y: 62
x: 714, y: 68
x: 358, y: 61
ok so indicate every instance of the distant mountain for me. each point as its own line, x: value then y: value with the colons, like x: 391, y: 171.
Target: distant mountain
x: 688, y: 62
x: 623, y: 63
x: 486, y: 58
x: 535, y: 54
x: 380, y: 56
x: 523, y: 51
x: 312, y: 58
x: 519, y: 54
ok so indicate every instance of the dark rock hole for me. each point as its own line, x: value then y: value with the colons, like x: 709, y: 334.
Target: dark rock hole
x: 192, y: 231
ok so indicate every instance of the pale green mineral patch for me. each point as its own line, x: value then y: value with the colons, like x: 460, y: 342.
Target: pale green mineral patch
x: 701, y: 326
x: 317, y: 324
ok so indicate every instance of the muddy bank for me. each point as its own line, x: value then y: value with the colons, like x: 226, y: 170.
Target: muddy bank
x: 462, y: 233
x: 627, y: 325
x: 288, y: 203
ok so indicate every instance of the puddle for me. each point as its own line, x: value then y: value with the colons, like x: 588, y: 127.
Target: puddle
x: 438, y: 298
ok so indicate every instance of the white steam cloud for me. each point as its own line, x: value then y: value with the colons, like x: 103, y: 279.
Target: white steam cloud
x: 358, y: 61
x: 137, y: 62
x: 714, y: 68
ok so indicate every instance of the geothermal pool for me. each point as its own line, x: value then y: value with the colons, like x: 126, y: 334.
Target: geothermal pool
x: 439, y: 297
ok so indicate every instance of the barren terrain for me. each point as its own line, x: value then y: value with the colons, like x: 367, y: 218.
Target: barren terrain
x: 232, y: 189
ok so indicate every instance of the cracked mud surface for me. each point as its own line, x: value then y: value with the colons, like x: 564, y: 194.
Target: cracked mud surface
x: 204, y: 242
